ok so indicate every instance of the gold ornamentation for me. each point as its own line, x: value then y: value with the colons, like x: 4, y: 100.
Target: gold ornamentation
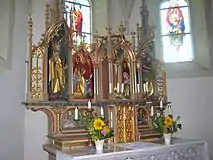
x: 56, y: 70
x: 37, y: 74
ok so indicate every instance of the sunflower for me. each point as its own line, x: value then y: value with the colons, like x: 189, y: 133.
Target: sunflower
x: 168, y: 121
x: 106, y: 128
x: 98, y: 124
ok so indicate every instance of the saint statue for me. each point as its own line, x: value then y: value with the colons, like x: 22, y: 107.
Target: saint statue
x: 57, y: 76
x: 126, y: 80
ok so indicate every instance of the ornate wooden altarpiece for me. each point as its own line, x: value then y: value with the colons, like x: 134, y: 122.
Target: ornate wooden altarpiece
x: 122, y: 76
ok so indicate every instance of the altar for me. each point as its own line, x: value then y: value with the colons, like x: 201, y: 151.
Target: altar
x: 116, y: 77
x: 181, y: 149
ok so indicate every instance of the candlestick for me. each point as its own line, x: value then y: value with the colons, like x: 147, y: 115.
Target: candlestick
x: 147, y: 89
x: 102, y: 112
x: 122, y: 88
x: 170, y: 110
x: 76, y: 114
x: 138, y: 88
x: 89, y: 104
x: 110, y: 87
x: 144, y: 87
x: 152, y: 111
x: 161, y: 104
x: 118, y: 87
x: 111, y: 119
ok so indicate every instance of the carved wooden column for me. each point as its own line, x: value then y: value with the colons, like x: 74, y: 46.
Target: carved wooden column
x: 96, y: 82
x: 109, y: 53
x: 45, y: 56
x: 134, y: 80
x: 29, y: 62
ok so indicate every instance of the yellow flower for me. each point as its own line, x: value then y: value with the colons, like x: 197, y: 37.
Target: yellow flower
x: 98, y: 124
x: 168, y: 121
x: 106, y: 129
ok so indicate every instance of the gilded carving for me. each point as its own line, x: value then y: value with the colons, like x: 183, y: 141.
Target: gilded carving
x: 121, y: 75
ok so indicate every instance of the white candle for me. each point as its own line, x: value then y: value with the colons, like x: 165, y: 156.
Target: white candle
x: 152, y: 111
x: 122, y: 88
x: 161, y: 104
x: 111, y: 119
x: 102, y: 112
x: 147, y: 89
x: 170, y: 110
x: 76, y: 114
x: 118, y: 87
x: 144, y: 87
x: 89, y: 104
x: 110, y: 87
x: 138, y: 88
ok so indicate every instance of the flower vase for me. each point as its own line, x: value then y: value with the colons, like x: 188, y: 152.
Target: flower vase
x: 167, y: 138
x: 99, y: 144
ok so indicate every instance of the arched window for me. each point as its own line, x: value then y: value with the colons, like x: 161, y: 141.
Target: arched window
x: 78, y: 16
x: 176, y: 31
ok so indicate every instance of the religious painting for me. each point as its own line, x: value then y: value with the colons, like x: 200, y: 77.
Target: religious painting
x: 175, y: 28
x: 142, y: 116
x: 83, y: 74
x: 78, y: 16
x: 69, y: 122
x: 58, y: 64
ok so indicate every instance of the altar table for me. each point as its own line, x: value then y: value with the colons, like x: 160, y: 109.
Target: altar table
x: 180, y: 149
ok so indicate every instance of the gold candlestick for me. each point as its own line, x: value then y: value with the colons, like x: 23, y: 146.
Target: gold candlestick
x: 90, y: 115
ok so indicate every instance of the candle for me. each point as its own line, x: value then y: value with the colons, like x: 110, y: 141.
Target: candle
x: 89, y: 104
x: 138, y: 88
x: 76, y: 114
x: 144, y: 87
x: 111, y: 119
x: 118, y: 87
x: 110, y: 87
x: 161, y: 104
x: 122, y: 88
x: 170, y: 110
x: 102, y: 112
x: 152, y: 111
x: 147, y: 89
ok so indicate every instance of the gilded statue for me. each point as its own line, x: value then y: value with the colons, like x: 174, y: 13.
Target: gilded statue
x: 57, y: 68
x: 80, y: 83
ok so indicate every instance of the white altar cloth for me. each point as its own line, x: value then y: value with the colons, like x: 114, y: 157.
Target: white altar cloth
x: 181, y: 149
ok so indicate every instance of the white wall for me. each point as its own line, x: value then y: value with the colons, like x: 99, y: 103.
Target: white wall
x: 192, y: 99
x: 35, y: 130
x: 12, y: 88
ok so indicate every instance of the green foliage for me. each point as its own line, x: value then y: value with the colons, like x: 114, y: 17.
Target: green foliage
x: 165, y: 124
x: 103, y: 132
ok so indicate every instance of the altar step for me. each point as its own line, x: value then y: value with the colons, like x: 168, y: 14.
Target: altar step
x: 146, y: 133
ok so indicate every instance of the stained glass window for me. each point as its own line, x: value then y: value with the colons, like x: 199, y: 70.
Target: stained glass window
x: 176, y: 31
x: 78, y: 16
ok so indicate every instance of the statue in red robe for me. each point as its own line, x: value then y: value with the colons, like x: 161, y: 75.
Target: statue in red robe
x: 78, y: 22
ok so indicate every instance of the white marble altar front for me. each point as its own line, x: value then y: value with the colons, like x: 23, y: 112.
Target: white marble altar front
x: 180, y: 149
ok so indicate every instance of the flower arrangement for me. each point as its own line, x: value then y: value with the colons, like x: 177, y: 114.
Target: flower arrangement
x: 166, y: 124
x: 98, y: 129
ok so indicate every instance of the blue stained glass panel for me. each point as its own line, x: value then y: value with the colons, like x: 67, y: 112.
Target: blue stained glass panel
x: 165, y: 15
